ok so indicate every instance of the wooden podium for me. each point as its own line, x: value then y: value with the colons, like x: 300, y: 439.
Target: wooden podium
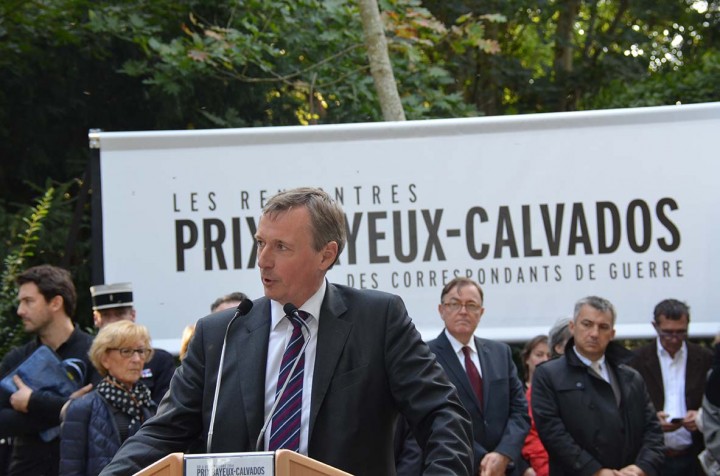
x: 287, y: 463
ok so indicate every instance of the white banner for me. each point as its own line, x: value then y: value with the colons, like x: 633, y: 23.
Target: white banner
x: 540, y: 209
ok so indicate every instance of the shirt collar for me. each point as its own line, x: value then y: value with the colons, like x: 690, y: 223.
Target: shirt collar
x: 587, y: 361
x: 457, y: 345
x: 311, y: 306
x: 662, y: 353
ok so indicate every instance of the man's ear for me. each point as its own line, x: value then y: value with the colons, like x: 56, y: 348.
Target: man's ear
x: 56, y: 303
x: 97, y: 319
x: 329, y: 255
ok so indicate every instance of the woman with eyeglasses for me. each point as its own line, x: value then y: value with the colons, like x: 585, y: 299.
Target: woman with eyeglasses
x: 97, y: 424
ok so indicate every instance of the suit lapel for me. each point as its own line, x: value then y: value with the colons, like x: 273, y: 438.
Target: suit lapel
x: 654, y: 382
x: 250, y: 343
x: 333, y: 333
x: 454, y: 369
x: 694, y: 376
x: 485, y: 366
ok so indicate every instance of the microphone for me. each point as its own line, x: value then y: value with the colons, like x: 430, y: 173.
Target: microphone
x: 242, y: 309
x: 291, y: 312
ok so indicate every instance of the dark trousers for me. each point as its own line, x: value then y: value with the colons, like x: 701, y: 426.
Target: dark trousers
x: 33, y: 457
x: 5, y: 453
x: 682, y: 465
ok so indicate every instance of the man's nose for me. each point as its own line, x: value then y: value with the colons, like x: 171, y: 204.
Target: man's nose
x: 263, y: 257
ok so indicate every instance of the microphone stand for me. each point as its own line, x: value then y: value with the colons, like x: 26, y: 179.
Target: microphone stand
x: 242, y: 309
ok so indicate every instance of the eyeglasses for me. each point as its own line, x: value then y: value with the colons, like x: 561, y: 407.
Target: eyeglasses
x: 455, y: 306
x: 127, y: 352
x: 672, y: 334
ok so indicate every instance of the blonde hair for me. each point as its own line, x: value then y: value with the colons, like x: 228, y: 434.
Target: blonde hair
x: 116, y: 335
x: 185, y: 341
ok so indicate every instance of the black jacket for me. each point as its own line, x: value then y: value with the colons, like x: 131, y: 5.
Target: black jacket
x: 580, y: 423
x: 30, y: 454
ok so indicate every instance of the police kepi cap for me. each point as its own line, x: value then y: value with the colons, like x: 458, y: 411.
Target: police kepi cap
x: 107, y: 296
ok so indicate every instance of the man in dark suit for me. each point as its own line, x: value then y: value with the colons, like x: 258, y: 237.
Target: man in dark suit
x: 592, y: 412
x: 486, y: 378
x: 674, y: 371
x: 364, y: 362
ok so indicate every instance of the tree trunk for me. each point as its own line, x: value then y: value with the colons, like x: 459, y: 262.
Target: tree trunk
x: 564, y: 48
x: 380, y: 66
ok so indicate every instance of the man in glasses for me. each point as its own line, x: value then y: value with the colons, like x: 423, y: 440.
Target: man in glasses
x: 486, y: 379
x: 674, y: 371
x: 113, y: 303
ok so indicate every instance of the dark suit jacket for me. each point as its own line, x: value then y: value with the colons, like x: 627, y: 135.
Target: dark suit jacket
x: 580, y: 423
x: 370, y: 364
x: 699, y: 360
x: 502, y: 424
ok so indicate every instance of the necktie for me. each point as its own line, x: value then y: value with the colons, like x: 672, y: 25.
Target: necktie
x: 286, y: 421
x: 596, y: 367
x: 473, y: 375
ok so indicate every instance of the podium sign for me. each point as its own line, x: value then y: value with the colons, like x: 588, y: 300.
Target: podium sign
x: 263, y: 463
x: 260, y: 463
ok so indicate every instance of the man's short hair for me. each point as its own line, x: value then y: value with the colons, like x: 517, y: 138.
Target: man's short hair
x: 596, y: 302
x: 237, y: 296
x: 460, y: 282
x: 671, y: 309
x: 326, y: 216
x: 52, y: 281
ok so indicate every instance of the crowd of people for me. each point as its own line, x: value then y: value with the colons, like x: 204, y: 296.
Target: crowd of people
x: 343, y: 376
x: 122, y: 378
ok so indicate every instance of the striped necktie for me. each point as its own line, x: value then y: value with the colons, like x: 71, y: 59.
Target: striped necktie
x: 285, y: 429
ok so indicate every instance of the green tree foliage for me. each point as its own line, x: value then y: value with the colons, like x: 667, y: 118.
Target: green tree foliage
x: 11, y: 329
x: 38, y: 234
x: 694, y: 83
x: 558, y: 55
x: 71, y: 65
x: 294, y: 61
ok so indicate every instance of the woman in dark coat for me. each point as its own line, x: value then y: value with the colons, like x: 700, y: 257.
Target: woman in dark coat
x: 97, y: 424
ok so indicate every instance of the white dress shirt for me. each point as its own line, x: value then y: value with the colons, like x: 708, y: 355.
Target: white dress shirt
x: 458, y: 346
x: 280, y: 332
x: 673, y: 376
